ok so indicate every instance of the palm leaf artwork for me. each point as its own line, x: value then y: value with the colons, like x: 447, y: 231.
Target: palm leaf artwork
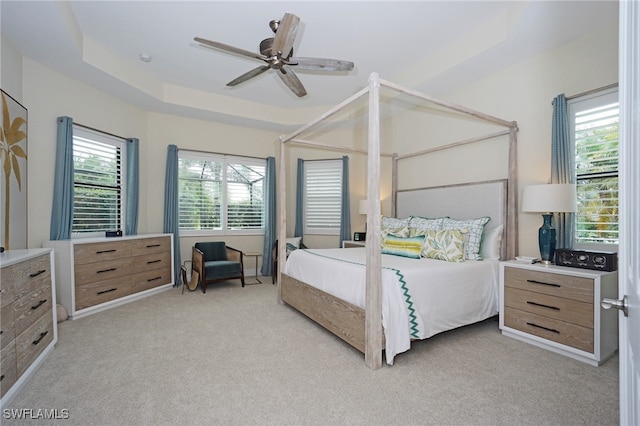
x: 10, y: 137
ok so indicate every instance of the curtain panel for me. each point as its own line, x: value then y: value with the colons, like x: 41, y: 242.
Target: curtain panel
x: 299, y: 197
x: 345, y: 212
x: 62, y: 207
x: 270, y: 217
x: 171, y: 212
x: 133, y: 186
x: 562, y: 167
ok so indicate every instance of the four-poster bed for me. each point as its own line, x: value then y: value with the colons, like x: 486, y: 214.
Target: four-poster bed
x: 362, y: 326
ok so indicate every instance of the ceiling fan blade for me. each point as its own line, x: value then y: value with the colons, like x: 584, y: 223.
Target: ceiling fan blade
x: 226, y: 47
x: 292, y: 81
x: 321, y: 64
x: 286, y: 34
x: 246, y: 76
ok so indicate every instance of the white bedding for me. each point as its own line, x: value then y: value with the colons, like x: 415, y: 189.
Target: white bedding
x: 421, y: 297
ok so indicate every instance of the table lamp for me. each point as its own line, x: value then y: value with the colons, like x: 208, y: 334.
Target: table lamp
x: 548, y: 199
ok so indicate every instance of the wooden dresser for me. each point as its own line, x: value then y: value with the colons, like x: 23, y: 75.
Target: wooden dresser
x: 558, y: 308
x: 94, y: 274
x: 28, y: 327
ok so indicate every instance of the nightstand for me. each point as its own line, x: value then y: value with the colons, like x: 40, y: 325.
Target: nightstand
x: 352, y: 244
x: 558, y: 308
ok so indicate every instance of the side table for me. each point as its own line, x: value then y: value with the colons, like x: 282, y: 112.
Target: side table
x: 255, y: 254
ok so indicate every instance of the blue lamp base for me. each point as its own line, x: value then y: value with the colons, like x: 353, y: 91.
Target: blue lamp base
x: 547, y: 239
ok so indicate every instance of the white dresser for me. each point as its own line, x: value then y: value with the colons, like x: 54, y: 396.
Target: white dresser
x: 28, y: 327
x: 94, y: 274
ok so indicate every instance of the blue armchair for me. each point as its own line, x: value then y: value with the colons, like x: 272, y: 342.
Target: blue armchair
x: 216, y: 262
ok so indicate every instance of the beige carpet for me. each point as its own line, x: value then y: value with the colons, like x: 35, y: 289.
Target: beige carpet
x: 234, y: 356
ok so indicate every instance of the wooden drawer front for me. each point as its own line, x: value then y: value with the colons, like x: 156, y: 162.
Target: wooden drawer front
x: 22, y: 278
x: 548, y: 328
x: 32, y: 342
x: 151, y: 245
x: 567, y: 286
x: 101, y: 271
x: 151, y: 261
x: 98, y: 252
x: 7, y: 329
x: 6, y: 287
x: 8, y: 374
x: 31, y: 307
x: 103, y: 291
x: 150, y: 279
x: 572, y: 311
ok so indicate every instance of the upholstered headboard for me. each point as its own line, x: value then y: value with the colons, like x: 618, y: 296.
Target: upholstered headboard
x: 460, y: 201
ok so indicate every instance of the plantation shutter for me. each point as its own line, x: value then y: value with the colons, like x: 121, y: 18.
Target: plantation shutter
x: 200, y: 189
x: 245, y: 194
x: 322, y: 202
x: 98, y: 182
x: 596, y: 147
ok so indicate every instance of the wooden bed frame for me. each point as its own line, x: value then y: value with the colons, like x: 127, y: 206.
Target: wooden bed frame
x: 362, y: 328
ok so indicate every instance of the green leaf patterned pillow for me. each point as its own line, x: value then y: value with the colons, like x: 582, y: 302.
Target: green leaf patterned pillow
x: 447, y: 245
x: 474, y: 237
x: 400, y: 246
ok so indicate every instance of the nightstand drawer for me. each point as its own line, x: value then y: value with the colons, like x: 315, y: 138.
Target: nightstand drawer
x: 568, y: 310
x: 551, y: 329
x: 569, y: 287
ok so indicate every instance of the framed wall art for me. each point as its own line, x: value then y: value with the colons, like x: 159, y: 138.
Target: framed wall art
x: 13, y: 185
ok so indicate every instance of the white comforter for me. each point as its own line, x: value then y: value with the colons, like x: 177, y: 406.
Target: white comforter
x: 420, y: 297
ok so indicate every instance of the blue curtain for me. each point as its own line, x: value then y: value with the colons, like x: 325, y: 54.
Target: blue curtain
x: 345, y: 215
x: 62, y: 208
x: 299, y: 198
x: 270, y: 219
x: 171, y: 223
x: 562, y: 167
x: 133, y: 184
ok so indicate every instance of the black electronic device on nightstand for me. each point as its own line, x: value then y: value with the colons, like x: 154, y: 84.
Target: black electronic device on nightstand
x: 597, y: 260
x: 359, y: 236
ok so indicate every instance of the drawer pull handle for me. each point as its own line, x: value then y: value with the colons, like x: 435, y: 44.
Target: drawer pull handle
x: 543, y: 306
x: 40, y: 303
x: 39, y: 339
x: 153, y: 245
x: 40, y: 272
x: 543, y: 283
x: 105, y: 251
x: 107, y: 291
x: 544, y: 328
x: 107, y: 270
x: 153, y: 279
x: 153, y: 261
x: 2, y: 378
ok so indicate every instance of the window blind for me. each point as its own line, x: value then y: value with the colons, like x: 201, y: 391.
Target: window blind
x: 596, y: 147
x: 322, y: 201
x: 98, y: 182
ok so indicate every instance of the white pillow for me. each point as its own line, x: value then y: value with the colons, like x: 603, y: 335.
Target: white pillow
x: 292, y: 244
x: 491, y: 243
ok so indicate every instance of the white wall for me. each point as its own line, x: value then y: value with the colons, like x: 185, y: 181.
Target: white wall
x: 523, y: 93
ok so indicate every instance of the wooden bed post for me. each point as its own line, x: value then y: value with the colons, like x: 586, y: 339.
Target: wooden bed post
x: 373, y: 294
x: 512, y: 194
x: 394, y: 185
x: 282, y: 226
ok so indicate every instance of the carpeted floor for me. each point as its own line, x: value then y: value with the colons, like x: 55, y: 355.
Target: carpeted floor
x: 234, y: 356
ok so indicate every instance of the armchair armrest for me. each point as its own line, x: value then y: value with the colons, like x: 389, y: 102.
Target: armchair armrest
x: 197, y: 261
x: 235, y: 255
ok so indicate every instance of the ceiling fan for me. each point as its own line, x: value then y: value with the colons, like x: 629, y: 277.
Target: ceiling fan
x: 277, y: 54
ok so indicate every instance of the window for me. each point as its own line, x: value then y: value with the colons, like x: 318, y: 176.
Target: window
x: 322, y: 196
x: 98, y: 181
x: 220, y: 194
x: 594, y: 120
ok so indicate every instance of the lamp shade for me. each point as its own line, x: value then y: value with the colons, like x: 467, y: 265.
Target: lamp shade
x: 362, y: 207
x: 549, y: 198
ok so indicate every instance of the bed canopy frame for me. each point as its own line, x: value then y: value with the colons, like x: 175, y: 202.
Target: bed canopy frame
x: 374, y: 338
